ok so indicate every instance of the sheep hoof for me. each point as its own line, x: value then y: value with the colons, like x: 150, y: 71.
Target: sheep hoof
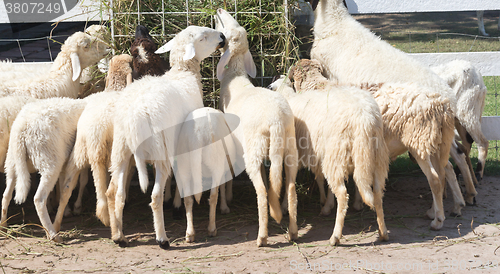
x: 471, y: 203
x: 261, y: 241
x: 77, y: 211
x: 383, y: 237
x: 67, y: 212
x: 57, y: 239
x: 121, y: 243
x: 178, y: 213
x: 163, y: 245
x: 293, y: 236
x: 358, y: 206
x: 212, y: 233
x: 334, y: 240
x: 326, y: 210
x: 225, y: 210
x: 436, y: 225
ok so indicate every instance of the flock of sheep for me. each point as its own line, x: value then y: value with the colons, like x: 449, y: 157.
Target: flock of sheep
x: 356, y: 106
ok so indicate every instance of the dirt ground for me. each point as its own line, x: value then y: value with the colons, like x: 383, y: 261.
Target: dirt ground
x: 469, y: 242
x: 465, y: 243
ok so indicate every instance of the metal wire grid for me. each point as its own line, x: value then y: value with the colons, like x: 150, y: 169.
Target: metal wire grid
x: 189, y: 12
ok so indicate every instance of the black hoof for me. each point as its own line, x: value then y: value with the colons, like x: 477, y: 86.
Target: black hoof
x: 473, y: 202
x: 121, y: 243
x: 164, y: 245
x: 453, y: 214
x: 178, y: 213
x: 478, y: 177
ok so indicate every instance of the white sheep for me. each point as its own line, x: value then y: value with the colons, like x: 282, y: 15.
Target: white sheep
x: 147, y: 119
x: 350, y: 53
x: 339, y: 133
x: 79, y: 51
x: 420, y: 121
x: 41, y: 139
x: 266, y: 127
x: 470, y: 91
x: 9, y: 108
x: 94, y: 138
x: 206, y: 153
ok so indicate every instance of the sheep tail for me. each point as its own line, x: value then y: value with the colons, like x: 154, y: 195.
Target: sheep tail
x: 17, y: 148
x: 276, y: 151
x: 143, y: 173
x: 365, y: 148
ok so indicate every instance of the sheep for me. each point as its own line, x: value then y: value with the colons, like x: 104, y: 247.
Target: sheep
x: 350, y: 53
x: 41, y: 139
x: 79, y: 51
x: 9, y: 108
x: 470, y: 91
x: 146, y: 62
x: 206, y: 151
x: 480, y: 23
x: 147, y: 116
x: 339, y: 132
x: 421, y: 122
x: 266, y: 127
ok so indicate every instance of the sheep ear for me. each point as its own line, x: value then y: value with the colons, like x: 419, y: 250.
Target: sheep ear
x: 165, y: 48
x: 250, y: 65
x: 75, y: 63
x: 190, y: 52
x: 129, y: 78
x: 221, y: 66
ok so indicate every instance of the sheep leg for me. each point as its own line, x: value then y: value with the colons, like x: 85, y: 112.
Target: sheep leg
x: 116, y: 202
x: 101, y: 179
x: 338, y: 188
x: 320, y: 180
x: 224, y: 209
x: 482, y: 148
x: 229, y: 191
x: 156, y: 204
x: 329, y: 205
x: 358, y: 201
x: 480, y: 22
x: 256, y: 177
x: 458, y: 199
x: 7, y: 197
x: 168, y: 190
x: 70, y: 181
x: 212, y: 228
x: 291, y: 168
x: 47, y: 183
x: 190, y: 233
x: 380, y: 175
x: 436, y: 212
x: 467, y: 141
x: 459, y: 157
x: 84, y: 179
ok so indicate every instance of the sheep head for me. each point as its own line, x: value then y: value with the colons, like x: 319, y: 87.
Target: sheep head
x: 193, y: 43
x: 120, y: 72
x: 305, y: 70
x: 142, y: 45
x: 145, y: 61
x: 84, y: 50
x: 314, y: 3
x: 237, y: 43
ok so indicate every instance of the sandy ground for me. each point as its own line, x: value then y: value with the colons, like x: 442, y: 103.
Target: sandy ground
x: 465, y: 243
